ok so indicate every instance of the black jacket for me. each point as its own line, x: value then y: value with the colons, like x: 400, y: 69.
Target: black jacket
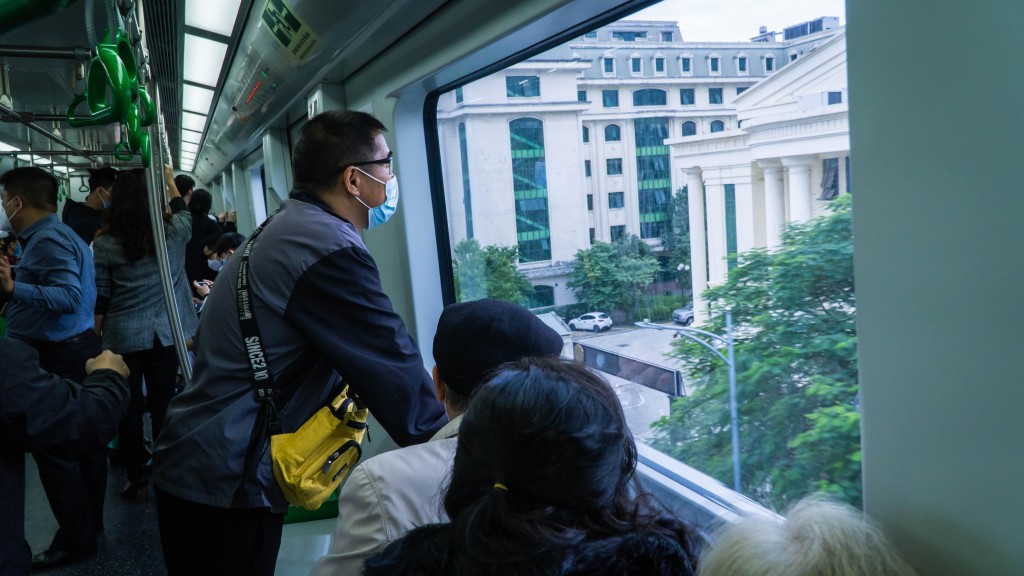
x: 196, y: 265
x: 83, y: 219
x: 431, y: 551
x: 40, y: 410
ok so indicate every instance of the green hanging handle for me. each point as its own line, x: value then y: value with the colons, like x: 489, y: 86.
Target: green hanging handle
x: 132, y: 131
x: 105, y: 71
x: 123, y: 152
x: 145, y: 151
x: 147, y: 111
x: 127, y: 56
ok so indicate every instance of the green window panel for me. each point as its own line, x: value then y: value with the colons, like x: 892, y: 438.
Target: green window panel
x: 730, y: 224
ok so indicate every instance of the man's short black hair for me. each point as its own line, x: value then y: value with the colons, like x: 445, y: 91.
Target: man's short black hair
x: 331, y: 140
x: 184, y: 183
x: 101, y: 177
x: 201, y: 202
x: 35, y: 186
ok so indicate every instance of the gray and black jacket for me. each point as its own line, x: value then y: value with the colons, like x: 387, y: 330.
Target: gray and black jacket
x: 321, y: 313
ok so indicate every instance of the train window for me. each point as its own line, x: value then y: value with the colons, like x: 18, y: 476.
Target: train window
x: 768, y: 252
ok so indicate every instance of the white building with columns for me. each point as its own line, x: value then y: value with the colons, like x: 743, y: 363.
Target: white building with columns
x: 788, y: 157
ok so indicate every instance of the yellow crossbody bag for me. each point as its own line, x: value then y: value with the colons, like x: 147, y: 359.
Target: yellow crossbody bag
x: 311, y: 462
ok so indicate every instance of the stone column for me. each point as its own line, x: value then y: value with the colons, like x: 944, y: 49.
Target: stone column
x: 698, y: 253
x: 774, y: 202
x: 799, y: 187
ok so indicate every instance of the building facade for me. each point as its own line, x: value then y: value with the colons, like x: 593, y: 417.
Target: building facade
x: 573, y: 145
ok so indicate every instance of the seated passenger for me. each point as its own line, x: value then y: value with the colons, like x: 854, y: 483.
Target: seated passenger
x: 544, y: 482
x: 392, y: 493
x: 40, y: 410
x: 218, y: 254
x: 817, y: 538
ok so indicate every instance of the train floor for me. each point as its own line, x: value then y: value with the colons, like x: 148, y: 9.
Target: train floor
x: 131, y: 542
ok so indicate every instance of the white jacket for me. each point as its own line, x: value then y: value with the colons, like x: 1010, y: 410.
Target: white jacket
x: 387, y: 496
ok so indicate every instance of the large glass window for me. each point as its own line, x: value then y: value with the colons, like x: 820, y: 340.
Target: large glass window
x: 653, y: 174
x: 586, y: 134
x: 649, y: 97
x: 622, y: 245
x: 522, y: 86
x: 530, y: 186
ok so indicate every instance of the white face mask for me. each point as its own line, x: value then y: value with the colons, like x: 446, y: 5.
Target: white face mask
x: 381, y: 214
x: 215, y: 265
x: 6, y: 228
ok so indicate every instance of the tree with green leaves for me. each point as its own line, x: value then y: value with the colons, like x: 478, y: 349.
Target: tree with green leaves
x: 796, y: 371
x: 613, y: 276
x: 489, y: 272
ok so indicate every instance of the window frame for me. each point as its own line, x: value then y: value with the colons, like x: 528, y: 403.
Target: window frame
x: 526, y: 81
x: 605, y: 59
x: 618, y: 132
x: 712, y: 90
x: 608, y: 166
x: 605, y: 93
x: 621, y: 200
x: 686, y: 61
x: 693, y: 96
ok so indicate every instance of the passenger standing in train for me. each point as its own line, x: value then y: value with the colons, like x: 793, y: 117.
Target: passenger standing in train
x: 321, y: 313
x: 203, y: 228
x: 544, y: 483
x: 185, y: 184
x: 390, y: 494
x: 40, y: 410
x: 225, y: 246
x: 50, y: 307
x: 86, y: 218
x: 132, y: 317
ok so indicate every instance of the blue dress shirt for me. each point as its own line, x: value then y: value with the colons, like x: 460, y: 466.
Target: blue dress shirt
x: 55, y: 286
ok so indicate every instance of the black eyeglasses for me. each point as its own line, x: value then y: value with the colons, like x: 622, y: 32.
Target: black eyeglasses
x: 390, y: 161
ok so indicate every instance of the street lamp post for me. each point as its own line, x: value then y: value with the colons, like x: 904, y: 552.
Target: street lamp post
x: 681, y: 268
x: 698, y: 336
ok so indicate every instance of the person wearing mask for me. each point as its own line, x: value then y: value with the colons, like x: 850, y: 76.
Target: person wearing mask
x: 203, y: 227
x: 544, y: 483
x: 390, y: 494
x: 322, y: 319
x: 86, y: 218
x: 132, y: 321
x: 50, y: 307
x: 41, y: 410
x: 219, y: 253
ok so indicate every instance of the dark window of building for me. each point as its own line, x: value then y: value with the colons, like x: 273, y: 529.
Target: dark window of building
x: 590, y: 201
x: 686, y: 96
x: 689, y: 128
x: 614, y: 166
x: 659, y: 65
x: 530, y: 189
x: 591, y: 34
x: 769, y: 64
x: 666, y: 36
x: 593, y: 235
x: 835, y: 97
x: 717, y: 126
x: 714, y: 95
x: 458, y: 95
x: 792, y: 57
x: 714, y: 65
x: 635, y: 65
x: 541, y: 296
x: 586, y: 134
x: 586, y: 168
x: 685, y: 65
x: 467, y: 198
x: 616, y: 200
x: 649, y: 97
x: 741, y: 89
x: 612, y: 133
x: 848, y: 189
x: 581, y: 95
x: 629, y: 36
x: 741, y: 63
x: 618, y: 233
x: 610, y: 98
x: 522, y: 86
x: 829, y: 178
x: 730, y: 225
x: 609, y: 65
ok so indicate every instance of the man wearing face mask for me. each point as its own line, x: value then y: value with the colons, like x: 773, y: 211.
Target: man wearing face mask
x: 321, y: 313
x: 85, y: 218
x: 50, y: 307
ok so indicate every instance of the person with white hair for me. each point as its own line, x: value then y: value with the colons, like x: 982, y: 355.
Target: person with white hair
x: 817, y: 538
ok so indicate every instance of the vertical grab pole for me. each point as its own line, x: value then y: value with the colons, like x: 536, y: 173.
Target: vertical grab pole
x: 157, y: 199
x: 157, y: 195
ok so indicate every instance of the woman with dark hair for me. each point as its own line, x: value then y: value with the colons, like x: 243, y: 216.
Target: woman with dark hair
x: 130, y: 315
x: 544, y: 482
x: 203, y: 227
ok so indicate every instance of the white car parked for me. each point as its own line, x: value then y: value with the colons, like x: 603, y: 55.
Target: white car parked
x: 595, y: 321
